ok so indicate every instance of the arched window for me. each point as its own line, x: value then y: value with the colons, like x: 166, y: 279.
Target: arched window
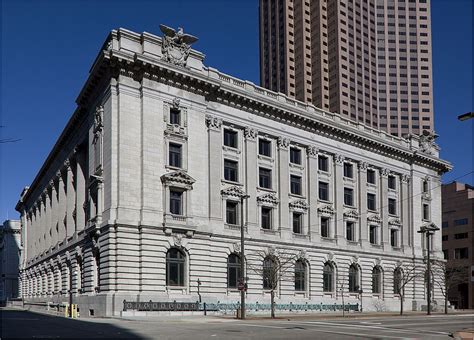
x: 376, y: 280
x: 300, y: 276
x: 233, y: 271
x: 270, y: 274
x: 397, y: 281
x: 175, y: 263
x: 328, y: 277
x: 354, y: 284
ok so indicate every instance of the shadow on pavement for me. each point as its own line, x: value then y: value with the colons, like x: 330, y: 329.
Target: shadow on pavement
x: 26, y: 324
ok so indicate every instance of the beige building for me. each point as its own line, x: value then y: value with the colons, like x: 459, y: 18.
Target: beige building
x: 369, y: 61
x: 458, y: 238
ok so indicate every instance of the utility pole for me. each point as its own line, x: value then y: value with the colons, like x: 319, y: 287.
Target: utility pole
x: 428, y: 231
x: 242, y: 256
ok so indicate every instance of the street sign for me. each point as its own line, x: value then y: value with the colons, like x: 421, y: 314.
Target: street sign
x: 241, y: 286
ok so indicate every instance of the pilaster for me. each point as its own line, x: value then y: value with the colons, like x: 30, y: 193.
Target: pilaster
x: 54, y: 213
x: 284, y: 187
x: 312, y: 175
x: 80, y: 183
x: 71, y: 201
x: 363, y: 231
x: 251, y: 178
x: 339, y: 199
x: 62, y: 207
x: 404, y: 197
x: 384, y: 207
x: 214, y: 126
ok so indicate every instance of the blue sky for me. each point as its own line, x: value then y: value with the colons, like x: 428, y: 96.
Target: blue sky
x: 48, y: 47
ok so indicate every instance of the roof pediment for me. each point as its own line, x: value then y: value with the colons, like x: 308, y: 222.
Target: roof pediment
x: 178, y: 177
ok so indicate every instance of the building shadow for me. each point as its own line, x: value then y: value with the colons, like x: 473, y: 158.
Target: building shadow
x: 16, y: 323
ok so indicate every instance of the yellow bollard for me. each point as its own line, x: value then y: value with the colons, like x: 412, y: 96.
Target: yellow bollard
x: 66, y: 310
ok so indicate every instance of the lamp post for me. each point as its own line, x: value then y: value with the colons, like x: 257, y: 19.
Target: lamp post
x: 428, y: 230
x: 242, y: 256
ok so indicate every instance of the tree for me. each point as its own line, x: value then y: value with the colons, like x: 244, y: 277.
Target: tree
x: 273, y: 266
x: 447, y: 276
x: 403, y: 274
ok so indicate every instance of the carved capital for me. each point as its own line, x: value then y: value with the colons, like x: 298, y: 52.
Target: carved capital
x: 175, y: 103
x: 363, y: 166
x: 59, y: 176
x: 213, y: 122
x: 283, y: 142
x: 339, y: 159
x: 384, y: 172
x: 312, y: 151
x: 405, y: 178
x: 250, y: 133
x: 67, y: 165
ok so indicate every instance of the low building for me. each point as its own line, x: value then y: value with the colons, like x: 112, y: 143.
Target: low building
x: 458, y: 239
x: 140, y: 198
x: 10, y: 256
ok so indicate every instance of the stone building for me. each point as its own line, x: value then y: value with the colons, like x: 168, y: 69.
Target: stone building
x: 458, y: 238
x: 140, y: 197
x: 10, y: 255
x: 369, y: 61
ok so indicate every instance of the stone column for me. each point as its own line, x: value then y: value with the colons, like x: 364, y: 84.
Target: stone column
x: 250, y: 135
x: 312, y: 171
x: 33, y: 235
x: 62, y: 206
x: 48, y: 225
x: 54, y: 213
x: 405, y: 218
x: 41, y: 225
x: 80, y: 182
x: 339, y: 198
x: 364, y: 239
x: 284, y: 187
x: 384, y: 207
x: 214, y: 125
x: 71, y: 201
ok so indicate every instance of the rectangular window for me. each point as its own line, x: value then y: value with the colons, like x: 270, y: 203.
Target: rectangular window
x: 324, y: 226
x: 295, y: 185
x: 426, y: 211
x: 446, y: 254
x: 371, y: 176
x: 350, y: 231
x: 231, y: 170
x: 264, y: 147
x: 348, y: 196
x: 231, y: 212
x: 392, y: 183
x: 295, y: 156
x: 462, y: 221
x: 348, y: 170
x: 266, y: 218
x: 175, y: 116
x: 394, y: 237
x: 371, y: 202
x: 445, y: 224
x: 265, y: 178
x: 425, y: 186
x: 461, y: 253
x: 323, y: 191
x: 297, y: 223
x: 176, y: 202
x: 230, y: 138
x: 460, y: 236
x: 373, y: 234
x: 444, y: 238
x: 175, y: 152
x: 392, y: 206
x: 323, y: 163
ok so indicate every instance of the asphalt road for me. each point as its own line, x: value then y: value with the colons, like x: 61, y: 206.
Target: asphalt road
x: 24, y: 324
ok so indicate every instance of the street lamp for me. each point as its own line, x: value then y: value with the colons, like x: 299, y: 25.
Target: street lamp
x: 428, y: 230
x: 242, y: 256
x: 466, y: 116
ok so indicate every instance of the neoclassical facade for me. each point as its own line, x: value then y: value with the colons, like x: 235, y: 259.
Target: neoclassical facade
x: 140, y: 197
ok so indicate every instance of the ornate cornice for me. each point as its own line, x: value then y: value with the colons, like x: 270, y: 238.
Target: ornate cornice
x: 299, y: 204
x: 233, y: 191
x: 268, y: 198
x: 179, y: 178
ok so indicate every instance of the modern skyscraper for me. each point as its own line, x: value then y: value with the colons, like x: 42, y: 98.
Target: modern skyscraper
x: 368, y: 60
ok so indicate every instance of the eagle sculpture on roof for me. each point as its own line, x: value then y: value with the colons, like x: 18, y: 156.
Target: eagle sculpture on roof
x: 176, y: 45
